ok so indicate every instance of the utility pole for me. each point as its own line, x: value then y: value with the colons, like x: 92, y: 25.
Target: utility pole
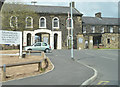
x: 72, y: 57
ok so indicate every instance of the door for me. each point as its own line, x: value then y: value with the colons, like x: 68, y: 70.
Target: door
x: 28, y: 39
x: 55, y: 41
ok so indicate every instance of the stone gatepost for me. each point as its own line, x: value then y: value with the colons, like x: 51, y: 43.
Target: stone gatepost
x: 90, y: 42
x: 80, y: 41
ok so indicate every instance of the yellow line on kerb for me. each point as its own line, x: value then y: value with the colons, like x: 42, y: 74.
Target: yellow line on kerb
x: 103, y: 82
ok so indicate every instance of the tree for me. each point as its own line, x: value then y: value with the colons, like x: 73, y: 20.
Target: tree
x: 15, y: 15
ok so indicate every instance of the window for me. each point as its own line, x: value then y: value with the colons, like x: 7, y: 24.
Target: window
x: 102, y: 30
x: 44, y: 44
x: 93, y: 29
x: 119, y: 30
x: 68, y: 23
x: 111, y: 29
x: 84, y: 29
x: 29, y: 22
x: 42, y: 22
x: 108, y: 41
x: 38, y: 44
x: 55, y: 22
x: 13, y: 22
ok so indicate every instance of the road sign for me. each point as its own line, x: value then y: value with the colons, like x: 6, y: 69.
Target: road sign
x: 11, y: 37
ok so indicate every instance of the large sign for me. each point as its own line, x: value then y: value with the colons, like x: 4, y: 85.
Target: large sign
x: 10, y: 37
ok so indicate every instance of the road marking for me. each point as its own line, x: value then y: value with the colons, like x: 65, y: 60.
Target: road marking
x: 103, y: 82
x: 107, y: 58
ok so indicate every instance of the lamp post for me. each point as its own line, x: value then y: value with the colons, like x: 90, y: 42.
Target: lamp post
x: 72, y: 56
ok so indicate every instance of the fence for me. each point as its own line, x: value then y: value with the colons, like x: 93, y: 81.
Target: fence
x: 25, y: 63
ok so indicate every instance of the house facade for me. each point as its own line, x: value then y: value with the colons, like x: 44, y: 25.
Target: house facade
x: 52, y: 24
x: 99, y: 32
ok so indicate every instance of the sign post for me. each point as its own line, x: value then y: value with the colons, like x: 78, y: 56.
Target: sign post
x: 11, y: 37
x: 72, y: 56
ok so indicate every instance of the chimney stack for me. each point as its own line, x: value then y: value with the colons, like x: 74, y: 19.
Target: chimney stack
x: 98, y: 15
x: 73, y: 4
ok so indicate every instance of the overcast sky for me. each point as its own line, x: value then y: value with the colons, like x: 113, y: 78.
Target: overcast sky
x: 108, y: 8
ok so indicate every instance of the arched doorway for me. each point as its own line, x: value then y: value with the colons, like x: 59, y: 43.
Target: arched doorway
x: 28, y: 39
x: 38, y: 37
x: 42, y: 37
x: 55, y: 41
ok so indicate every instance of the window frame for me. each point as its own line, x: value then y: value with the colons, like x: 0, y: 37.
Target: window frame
x: 44, y: 22
x: 108, y: 41
x: 69, y: 27
x: 102, y: 30
x: 111, y: 29
x: 84, y: 29
x: 57, y: 22
x: 16, y: 20
x: 31, y: 22
x: 93, y: 29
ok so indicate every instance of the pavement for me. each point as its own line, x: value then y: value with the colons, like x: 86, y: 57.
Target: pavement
x: 66, y: 72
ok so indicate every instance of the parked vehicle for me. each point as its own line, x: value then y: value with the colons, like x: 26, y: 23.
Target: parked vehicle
x: 41, y: 46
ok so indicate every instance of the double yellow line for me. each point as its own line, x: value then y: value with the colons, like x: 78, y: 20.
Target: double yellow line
x: 103, y: 82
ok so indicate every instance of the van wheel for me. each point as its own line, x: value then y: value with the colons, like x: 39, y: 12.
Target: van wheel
x: 47, y: 50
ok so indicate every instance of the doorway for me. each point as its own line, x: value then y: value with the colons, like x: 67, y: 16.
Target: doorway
x: 55, y: 41
x: 28, y: 39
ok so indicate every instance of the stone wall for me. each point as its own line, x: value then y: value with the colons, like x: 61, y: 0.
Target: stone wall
x: 110, y: 40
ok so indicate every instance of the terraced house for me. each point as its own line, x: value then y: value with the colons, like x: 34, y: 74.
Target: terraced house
x: 51, y: 24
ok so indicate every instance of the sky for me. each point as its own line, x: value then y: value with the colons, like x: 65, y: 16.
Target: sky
x: 108, y: 8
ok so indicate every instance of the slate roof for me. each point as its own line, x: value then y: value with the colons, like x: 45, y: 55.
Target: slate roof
x: 42, y: 9
x: 99, y: 21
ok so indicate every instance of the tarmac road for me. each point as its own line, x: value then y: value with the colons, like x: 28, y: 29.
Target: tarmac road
x: 66, y: 72
x: 104, y: 61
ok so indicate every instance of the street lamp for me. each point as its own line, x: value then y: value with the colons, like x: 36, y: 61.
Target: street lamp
x: 72, y: 56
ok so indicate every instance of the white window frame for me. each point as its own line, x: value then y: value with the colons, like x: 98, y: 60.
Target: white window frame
x: 93, y: 29
x: 40, y: 22
x: 102, y: 30
x: 11, y: 25
x: 53, y: 23
x: 111, y: 29
x: 67, y: 23
x: 119, y: 30
x: 84, y: 29
x: 31, y: 22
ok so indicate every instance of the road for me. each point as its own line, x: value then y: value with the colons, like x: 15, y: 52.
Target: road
x: 66, y: 72
x: 104, y: 61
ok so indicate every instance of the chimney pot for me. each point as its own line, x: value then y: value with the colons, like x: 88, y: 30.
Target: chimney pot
x: 73, y: 4
x: 98, y: 15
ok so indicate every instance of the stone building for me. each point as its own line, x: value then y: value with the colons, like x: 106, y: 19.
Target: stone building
x: 51, y: 24
x: 99, y: 32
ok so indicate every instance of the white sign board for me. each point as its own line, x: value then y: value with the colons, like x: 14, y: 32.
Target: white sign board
x: 80, y: 40
x: 10, y: 37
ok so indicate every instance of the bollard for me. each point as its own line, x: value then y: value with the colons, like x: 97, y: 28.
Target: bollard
x: 4, y: 72
x: 43, y: 55
x: 29, y: 51
x: 39, y: 66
